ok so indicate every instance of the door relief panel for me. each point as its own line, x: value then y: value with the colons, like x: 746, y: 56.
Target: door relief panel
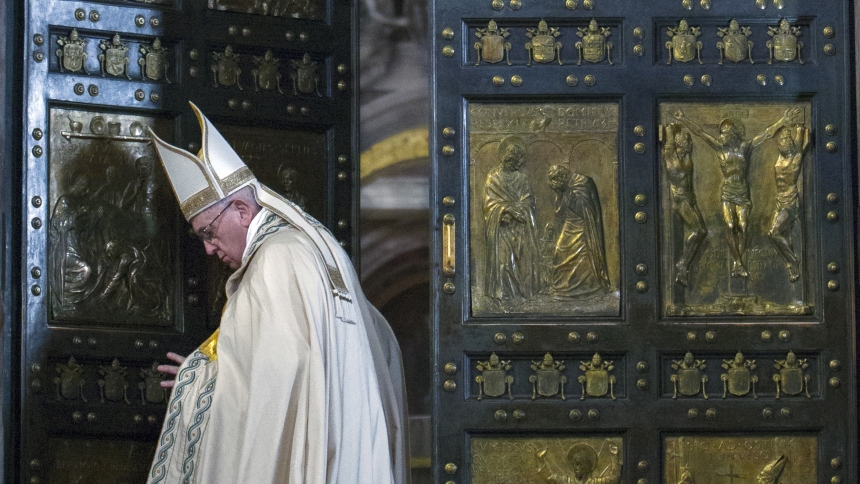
x: 544, y: 209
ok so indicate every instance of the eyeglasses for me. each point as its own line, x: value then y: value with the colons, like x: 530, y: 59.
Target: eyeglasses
x: 207, y: 233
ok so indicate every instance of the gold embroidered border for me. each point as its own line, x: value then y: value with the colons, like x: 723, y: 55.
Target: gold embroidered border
x: 235, y: 180
x: 198, y: 202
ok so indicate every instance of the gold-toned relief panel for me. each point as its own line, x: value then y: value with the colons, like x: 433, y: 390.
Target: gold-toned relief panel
x: 111, y: 231
x: 290, y: 162
x: 72, y: 461
x: 736, y: 221
x: 306, y: 9
x: 537, y: 460
x: 544, y: 208
x: 785, y: 459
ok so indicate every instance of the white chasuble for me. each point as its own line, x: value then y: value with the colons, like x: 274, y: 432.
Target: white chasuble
x: 300, y: 396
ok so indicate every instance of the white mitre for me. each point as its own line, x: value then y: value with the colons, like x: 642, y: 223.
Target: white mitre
x: 217, y: 172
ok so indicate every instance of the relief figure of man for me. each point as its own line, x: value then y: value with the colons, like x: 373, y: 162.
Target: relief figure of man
x: 513, y: 258
x: 582, y: 461
x: 793, y: 141
x: 733, y: 152
x: 579, y: 257
x: 678, y: 163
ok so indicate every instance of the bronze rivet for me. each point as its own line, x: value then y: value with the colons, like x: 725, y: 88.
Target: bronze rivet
x: 450, y: 482
x: 193, y: 299
x: 154, y: 97
x: 693, y: 413
x: 79, y: 89
x: 642, y: 384
x: 573, y: 337
x: 639, y: 148
x: 448, y: 201
x: 342, y: 69
x: 593, y: 414
x: 232, y: 30
x: 761, y: 79
x: 779, y: 80
x: 154, y: 22
x: 519, y: 414
x: 80, y: 14
x: 640, y: 198
x: 785, y: 412
x: 711, y: 413
x: 643, y: 466
x: 589, y: 4
x: 192, y: 281
x: 342, y: 243
x: 785, y: 335
x: 37, y: 151
x: 572, y: 80
x: 639, y: 50
x: 193, y: 147
x: 290, y: 35
x: 516, y: 81
x: 711, y: 336
x: 766, y: 336
x: 829, y: 49
x: 139, y: 20
x: 833, y: 285
x: 36, y: 290
x: 516, y: 4
x: 246, y: 105
x: 500, y: 415
x: 38, y: 39
x: 642, y: 286
x: 448, y: 288
x: 517, y: 338
x: 590, y: 80
x: 447, y: 150
x: 829, y: 32
x: 192, y: 71
x: 707, y: 80
x: 232, y: 103
x: 642, y: 481
x: 831, y: 146
x: 291, y: 109
x: 642, y: 366
x: 304, y: 110
x: 36, y: 223
x: 342, y: 159
x: 692, y: 336
x: 591, y: 337
x: 499, y: 338
x: 639, y: 33
x: 498, y: 4
x: 193, y: 54
x: 35, y: 464
x: 575, y: 415
x: 303, y: 37
x: 835, y: 480
x: 36, y: 272
x: 833, y: 267
x: 92, y: 342
x: 640, y: 217
x: 153, y: 345
x: 830, y: 129
x: 38, y: 56
x: 835, y: 382
x: 639, y: 130
x: 450, y: 468
x: 151, y: 419
x: 836, y: 463
x: 835, y: 365
x: 77, y: 416
x: 138, y: 344
x: 498, y: 81
x: 447, y: 33
x: 342, y: 85
x: 139, y: 95
x: 767, y: 413
x: 450, y: 368
x: 246, y: 32
x: 77, y: 341
x: 37, y: 134
x: 94, y: 15
x: 688, y: 80
x: 832, y: 216
x: 342, y: 224
x: 342, y: 176
x: 570, y: 4
x: 832, y: 198
x: 641, y: 269
x: 138, y: 418
x: 449, y: 132
x: 91, y: 417
x: 93, y: 90
x: 449, y: 385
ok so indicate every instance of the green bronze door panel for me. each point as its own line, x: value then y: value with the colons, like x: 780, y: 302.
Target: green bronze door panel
x: 112, y: 277
x: 645, y: 248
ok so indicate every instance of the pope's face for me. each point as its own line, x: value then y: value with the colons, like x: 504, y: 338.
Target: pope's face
x: 228, y: 234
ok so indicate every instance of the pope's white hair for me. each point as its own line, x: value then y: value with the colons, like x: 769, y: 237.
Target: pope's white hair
x: 246, y: 194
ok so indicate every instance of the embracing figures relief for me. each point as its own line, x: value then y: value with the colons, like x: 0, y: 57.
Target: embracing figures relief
x: 544, y: 209
x: 733, y: 216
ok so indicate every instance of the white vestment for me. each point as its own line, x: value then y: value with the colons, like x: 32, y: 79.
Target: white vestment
x: 286, y: 392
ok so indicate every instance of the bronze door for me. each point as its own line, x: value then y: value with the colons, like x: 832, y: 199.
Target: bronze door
x: 643, y: 215
x: 112, y: 276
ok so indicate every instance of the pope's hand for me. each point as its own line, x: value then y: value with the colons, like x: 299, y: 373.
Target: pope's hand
x: 170, y: 369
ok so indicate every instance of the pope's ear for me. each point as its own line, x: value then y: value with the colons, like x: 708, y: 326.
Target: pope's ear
x: 245, y: 212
